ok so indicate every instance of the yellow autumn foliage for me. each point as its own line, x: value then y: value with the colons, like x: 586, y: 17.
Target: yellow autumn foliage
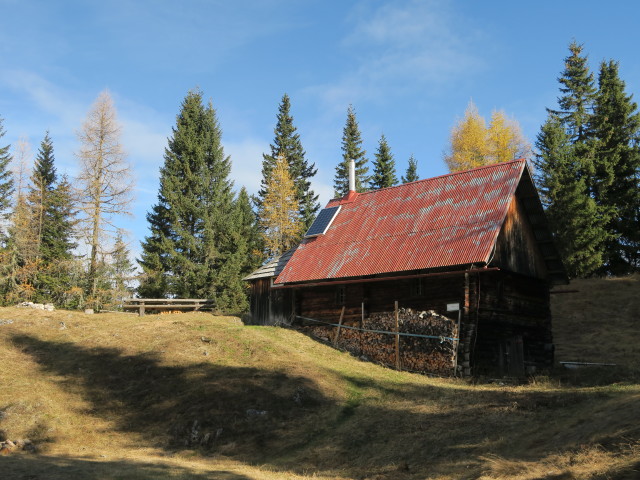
x: 279, y: 216
x: 473, y: 144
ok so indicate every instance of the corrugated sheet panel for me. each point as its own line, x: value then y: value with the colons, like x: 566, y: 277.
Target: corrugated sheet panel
x: 443, y: 221
x: 272, y: 268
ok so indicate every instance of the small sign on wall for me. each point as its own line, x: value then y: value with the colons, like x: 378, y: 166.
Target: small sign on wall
x: 453, y: 307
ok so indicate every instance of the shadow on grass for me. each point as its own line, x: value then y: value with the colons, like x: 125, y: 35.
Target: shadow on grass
x: 202, y: 406
x: 393, y: 430
x: 27, y: 467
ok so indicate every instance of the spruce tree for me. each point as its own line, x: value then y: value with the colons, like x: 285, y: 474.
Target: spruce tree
x: 154, y: 259
x: 245, y: 256
x: 40, y: 190
x: 578, y: 94
x: 287, y: 142
x: 52, y: 214
x: 616, y: 130
x: 249, y: 230
x: 58, y: 235
x: 576, y: 108
x: 58, y: 275
x: 122, y: 271
x: 412, y: 171
x: 384, y: 167
x: 6, y: 178
x: 192, y: 233
x: 351, y: 150
x: 578, y: 222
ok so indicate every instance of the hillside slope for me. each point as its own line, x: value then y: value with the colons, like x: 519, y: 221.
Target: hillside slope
x: 112, y: 396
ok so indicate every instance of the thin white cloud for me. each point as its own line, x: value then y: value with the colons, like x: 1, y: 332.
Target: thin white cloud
x: 400, y: 47
x: 45, y: 96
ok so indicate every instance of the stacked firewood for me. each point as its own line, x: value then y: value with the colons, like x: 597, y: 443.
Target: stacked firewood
x: 432, y: 355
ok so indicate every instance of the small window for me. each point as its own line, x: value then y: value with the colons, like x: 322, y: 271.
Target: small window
x: 340, y: 295
x: 417, y: 287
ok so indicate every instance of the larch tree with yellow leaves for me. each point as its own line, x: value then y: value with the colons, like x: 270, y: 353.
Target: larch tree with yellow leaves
x: 474, y: 144
x: 279, y: 216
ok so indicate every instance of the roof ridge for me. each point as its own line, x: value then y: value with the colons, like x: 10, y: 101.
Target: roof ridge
x: 493, y: 165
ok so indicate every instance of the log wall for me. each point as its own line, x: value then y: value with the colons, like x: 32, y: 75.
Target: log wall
x: 269, y: 306
x: 326, y: 302
x: 513, y: 324
x: 505, y: 317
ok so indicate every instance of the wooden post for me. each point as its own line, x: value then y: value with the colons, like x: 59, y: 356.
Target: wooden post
x: 362, y: 317
x: 397, y: 337
x: 141, y: 309
x: 335, y: 339
x: 467, y: 321
x: 456, y: 343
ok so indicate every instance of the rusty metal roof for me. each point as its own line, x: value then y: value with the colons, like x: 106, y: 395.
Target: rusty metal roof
x: 451, y: 220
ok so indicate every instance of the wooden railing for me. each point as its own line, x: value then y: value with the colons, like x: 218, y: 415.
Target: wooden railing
x: 167, y: 304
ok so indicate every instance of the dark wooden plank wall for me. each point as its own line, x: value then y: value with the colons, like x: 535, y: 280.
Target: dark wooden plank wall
x: 269, y: 306
x: 510, y: 309
x: 259, y: 301
x: 323, y: 303
x: 516, y: 247
x: 505, y: 328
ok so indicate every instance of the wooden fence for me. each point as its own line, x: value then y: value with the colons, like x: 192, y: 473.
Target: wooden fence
x: 167, y: 304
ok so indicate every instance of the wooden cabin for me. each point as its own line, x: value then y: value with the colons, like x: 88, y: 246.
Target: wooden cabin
x: 269, y: 306
x: 472, y: 246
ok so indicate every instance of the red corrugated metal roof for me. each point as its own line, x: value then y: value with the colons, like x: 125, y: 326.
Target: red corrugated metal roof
x: 443, y: 221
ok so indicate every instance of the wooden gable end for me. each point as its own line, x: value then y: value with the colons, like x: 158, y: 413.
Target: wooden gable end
x: 516, y: 247
x: 525, y: 243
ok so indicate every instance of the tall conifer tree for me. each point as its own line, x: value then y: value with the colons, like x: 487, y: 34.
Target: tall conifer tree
x: 122, y: 271
x: 191, y: 230
x: 578, y: 93
x: 41, y: 190
x: 616, y: 130
x: 412, y: 171
x: 287, y: 142
x: 351, y: 150
x: 250, y: 231
x: 579, y: 223
x: 598, y: 178
x: 105, y: 183
x: 384, y: 167
x: 6, y: 179
x: 52, y: 213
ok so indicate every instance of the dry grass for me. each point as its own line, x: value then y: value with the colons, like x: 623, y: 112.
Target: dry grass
x: 598, y: 323
x: 113, y: 396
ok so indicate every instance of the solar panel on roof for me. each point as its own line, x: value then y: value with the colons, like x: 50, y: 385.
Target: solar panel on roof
x: 322, y: 221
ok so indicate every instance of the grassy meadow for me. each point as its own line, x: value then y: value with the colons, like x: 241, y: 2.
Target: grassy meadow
x: 197, y: 396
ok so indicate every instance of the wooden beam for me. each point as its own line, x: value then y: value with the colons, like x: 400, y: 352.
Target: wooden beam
x: 320, y: 283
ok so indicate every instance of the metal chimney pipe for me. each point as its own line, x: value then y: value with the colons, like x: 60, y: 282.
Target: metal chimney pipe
x: 352, y: 175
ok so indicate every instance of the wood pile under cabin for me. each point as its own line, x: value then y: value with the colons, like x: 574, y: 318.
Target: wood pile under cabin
x: 472, y: 247
x: 426, y: 341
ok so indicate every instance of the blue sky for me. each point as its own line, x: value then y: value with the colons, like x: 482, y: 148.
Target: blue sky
x: 408, y: 67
